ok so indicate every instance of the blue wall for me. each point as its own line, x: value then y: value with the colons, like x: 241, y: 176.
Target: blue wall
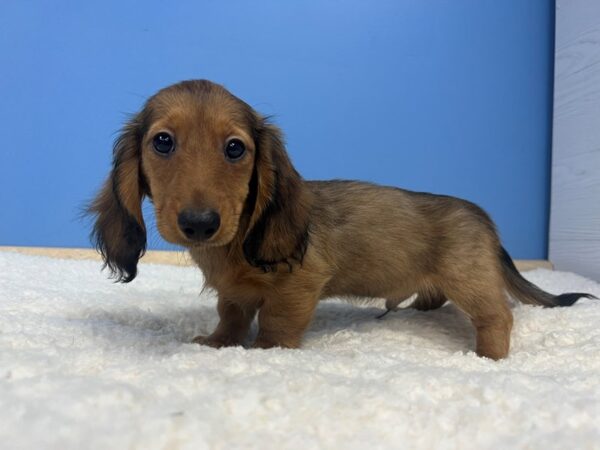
x: 448, y: 96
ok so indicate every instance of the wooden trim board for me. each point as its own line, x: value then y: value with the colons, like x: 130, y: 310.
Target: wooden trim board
x: 183, y: 259
x: 152, y: 256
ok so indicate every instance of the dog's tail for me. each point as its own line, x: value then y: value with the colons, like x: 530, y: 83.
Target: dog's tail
x: 528, y: 292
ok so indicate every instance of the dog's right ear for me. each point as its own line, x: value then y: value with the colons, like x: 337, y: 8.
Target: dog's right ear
x: 119, y: 231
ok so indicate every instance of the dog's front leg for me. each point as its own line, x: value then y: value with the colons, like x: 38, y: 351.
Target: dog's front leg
x: 235, y: 319
x: 283, y: 321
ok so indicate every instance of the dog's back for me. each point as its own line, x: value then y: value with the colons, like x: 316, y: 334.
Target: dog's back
x: 388, y: 242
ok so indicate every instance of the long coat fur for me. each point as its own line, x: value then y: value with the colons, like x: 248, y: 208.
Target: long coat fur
x: 282, y: 243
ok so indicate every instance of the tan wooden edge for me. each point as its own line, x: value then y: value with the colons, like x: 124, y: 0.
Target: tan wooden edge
x: 181, y: 258
x: 152, y: 256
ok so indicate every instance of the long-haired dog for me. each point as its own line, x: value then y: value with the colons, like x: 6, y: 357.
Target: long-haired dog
x: 272, y: 243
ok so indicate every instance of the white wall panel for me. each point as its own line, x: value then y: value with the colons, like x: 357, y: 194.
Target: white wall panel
x: 575, y: 204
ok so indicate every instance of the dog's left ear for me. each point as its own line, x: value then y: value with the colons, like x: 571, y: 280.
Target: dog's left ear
x: 119, y: 231
x: 278, y: 205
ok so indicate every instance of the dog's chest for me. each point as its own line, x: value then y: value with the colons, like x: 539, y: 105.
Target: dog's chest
x: 228, y: 275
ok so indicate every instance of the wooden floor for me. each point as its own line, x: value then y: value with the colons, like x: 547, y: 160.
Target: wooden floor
x: 182, y: 258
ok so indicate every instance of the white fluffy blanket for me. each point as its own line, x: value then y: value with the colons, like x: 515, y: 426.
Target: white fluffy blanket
x: 85, y: 363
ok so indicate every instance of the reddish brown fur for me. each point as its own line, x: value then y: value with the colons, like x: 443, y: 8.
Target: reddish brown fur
x: 285, y: 243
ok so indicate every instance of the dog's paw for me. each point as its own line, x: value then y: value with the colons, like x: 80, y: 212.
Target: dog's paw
x: 264, y: 344
x: 205, y: 340
x: 211, y: 341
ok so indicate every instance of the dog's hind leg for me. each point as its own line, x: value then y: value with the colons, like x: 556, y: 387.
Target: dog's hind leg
x: 491, y: 316
x: 426, y: 302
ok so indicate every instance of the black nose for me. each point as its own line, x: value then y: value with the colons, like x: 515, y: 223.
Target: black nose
x: 198, y: 224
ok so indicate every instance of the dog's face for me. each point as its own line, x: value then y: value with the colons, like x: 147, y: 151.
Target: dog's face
x: 197, y: 155
x: 214, y: 169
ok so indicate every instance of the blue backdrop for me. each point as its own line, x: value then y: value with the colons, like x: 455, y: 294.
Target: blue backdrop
x: 448, y: 96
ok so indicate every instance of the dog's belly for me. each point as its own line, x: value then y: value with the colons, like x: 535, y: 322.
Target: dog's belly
x: 370, y: 286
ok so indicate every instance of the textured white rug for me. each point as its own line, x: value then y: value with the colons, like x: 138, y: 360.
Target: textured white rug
x: 85, y: 363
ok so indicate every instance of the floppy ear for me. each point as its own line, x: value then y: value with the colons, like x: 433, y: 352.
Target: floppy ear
x: 278, y: 204
x: 119, y: 231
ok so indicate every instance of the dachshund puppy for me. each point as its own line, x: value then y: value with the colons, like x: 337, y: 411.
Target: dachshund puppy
x: 273, y: 244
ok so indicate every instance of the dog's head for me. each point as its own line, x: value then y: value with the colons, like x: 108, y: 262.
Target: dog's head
x: 217, y: 173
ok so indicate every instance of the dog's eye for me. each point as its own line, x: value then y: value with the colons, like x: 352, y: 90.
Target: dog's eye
x: 163, y: 143
x: 234, y: 149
